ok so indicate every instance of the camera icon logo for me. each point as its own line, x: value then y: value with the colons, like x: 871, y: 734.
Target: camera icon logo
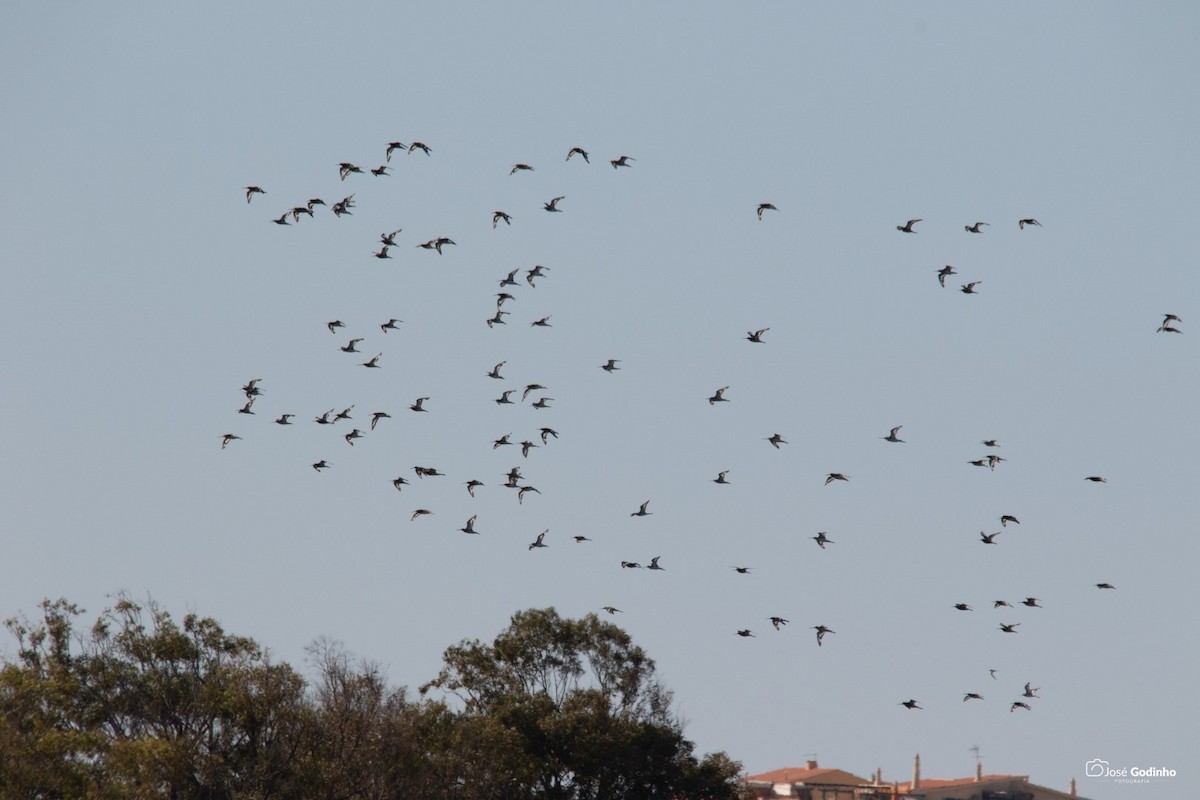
x: 1096, y: 768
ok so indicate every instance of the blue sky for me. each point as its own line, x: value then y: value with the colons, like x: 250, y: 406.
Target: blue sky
x: 143, y: 291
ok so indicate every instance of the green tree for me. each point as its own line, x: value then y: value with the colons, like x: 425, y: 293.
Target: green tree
x: 584, y: 715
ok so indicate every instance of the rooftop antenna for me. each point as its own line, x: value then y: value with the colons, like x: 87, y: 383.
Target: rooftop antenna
x: 975, y: 749
x: 978, y: 763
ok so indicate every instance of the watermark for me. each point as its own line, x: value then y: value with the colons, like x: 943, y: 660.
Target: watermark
x: 1103, y: 770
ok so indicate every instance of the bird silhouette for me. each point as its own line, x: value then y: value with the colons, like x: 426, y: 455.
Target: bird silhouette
x: 654, y: 564
x: 352, y: 435
x: 911, y: 704
x: 470, y: 526
x: 765, y: 207
x: 393, y: 146
x: 419, y: 404
x: 974, y: 228
x: 821, y: 539
x: 892, y: 437
x: 721, y: 477
x: 742, y: 570
x: 391, y: 325
x: 963, y: 607
x: 1096, y: 479
x: 495, y: 371
x: 821, y: 631
x: 578, y: 151
x: 1009, y: 627
x: 352, y: 346
x: 1016, y: 705
x: 228, y: 439
x: 253, y: 190
x: 424, y: 148
x: 322, y: 464
x: 612, y: 610
x: 1021, y: 223
x: 520, y: 168
x: 778, y: 622
x: 373, y: 363
x: 776, y: 440
x: 745, y: 632
x: 500, y: 216
x: 969, y: 288
x: 908, y: 226
x: 835, y: 476
x: 546, y: 433
x: 552, y: 205
x: 944, y: 273
x: 972, y: 696
x: 988, y: 538
x: 642, y: 512
x: 756, y: 336
x: 611, y: 365
x: 623, y: 161
x: 719, y: 396
x: 420, y: 512
x: 1030, y: 690
x: 1105, y: 586
x: 1032, y: 602
x: 378, y: 415
x: 1007, y: 518
x: 472, y: 485
x: 284, y: 419
x: 334, y: 325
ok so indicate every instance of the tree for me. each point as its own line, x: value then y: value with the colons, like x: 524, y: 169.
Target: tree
x: 585, y: 715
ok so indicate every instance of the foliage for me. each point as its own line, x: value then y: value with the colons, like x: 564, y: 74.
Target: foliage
x: 143, y: 707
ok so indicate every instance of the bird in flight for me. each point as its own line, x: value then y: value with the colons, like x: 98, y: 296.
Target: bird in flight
x: 419, y: 405
x: 911, y: 704
x: 542, y: 402
x: 374, y: 362
x: 623, y: 161
x: 990, y: 443
x: 547, y: 432
x: 424, y: 148
x: 1032, y: 602
x: 334, y: 325
x: 284, y: 419
x: 974, y: 228
x: 765, y: 207
x: 526, y: 446
x: 721, y: 477
x: 1009, y: 628
x: 500, y: 216
x: 393, y: 146
x: 835, y: 476
x: 719, y: 396
x: 495, y: 372
x: 776, y: 439
x: 378, y: 415
x: 253, y: 190
x: 398, y: 482
x: 908, y: 226
x: 521, y: 493
x: 320, y: 465
x: 1021, y: 223
x: 391, y: 325
x: 1096, y: 479
x: 352, y: 435
x: 969, y: 288
x: 228, y: 439
x: 892, y: 437
x: 502, y: 399
x: 420, y: 512
x: 778, y: 622
x: 944, y: 273
x: 1030, y: 690
x: 380, y: 171
x: 578, y: 151
x: 611, y: 365
x: 1016, y: 705
x: 471, y: 484
x: 654, y: 564
x: 282, y: 220
x: 352, y: 347
x: 972, y: 696
x: 756, y: 336
x: 503, y: 440
x: 470, y: 526
x: 1007, y: 518
x: 745, y: 632
x: 1105, y: 586
x: 246, y: 409
x: 544, y: 322
x: 630, y: 565
x: 520, y: 168
x: 742, y: 570
x: 511, y: 280
x: 988, y: 538
x: 821, y: 539
x: 552, y: 205
x: 963, y: 607
x: 580, y: 539
x: 821, y: 631
x: 642, y: 512
x: 612, y: 609
x: 1001, y: 603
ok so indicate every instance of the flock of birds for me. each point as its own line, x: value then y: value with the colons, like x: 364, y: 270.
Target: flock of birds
x: 514, y: 480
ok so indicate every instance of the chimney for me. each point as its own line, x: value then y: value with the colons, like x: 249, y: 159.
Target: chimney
x: 878, y: 776
x: 810, y: 764
x: 978, y: 771
x: 1072, y: 787
x: 916, y: 780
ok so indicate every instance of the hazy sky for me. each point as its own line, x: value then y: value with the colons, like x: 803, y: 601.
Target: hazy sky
x: 142, y: 291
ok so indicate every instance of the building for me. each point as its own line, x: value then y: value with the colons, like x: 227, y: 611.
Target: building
x: 812, y: 782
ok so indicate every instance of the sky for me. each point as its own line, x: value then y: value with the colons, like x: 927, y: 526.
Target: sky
x: 142, y: 292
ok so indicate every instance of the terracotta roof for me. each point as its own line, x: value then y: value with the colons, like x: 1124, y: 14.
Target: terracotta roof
x: 942, y: 783
x: 796, y: 775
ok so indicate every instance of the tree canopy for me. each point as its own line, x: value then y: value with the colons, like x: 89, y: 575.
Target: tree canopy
x: 141, y: 706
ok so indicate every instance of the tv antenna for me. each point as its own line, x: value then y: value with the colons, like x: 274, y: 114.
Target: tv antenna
x: 975, y: 749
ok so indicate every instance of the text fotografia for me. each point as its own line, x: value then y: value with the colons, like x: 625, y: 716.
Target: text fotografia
x: 1099, y: 768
